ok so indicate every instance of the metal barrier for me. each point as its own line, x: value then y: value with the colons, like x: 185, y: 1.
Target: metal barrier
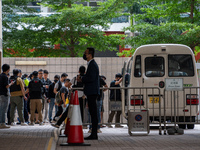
x: 124, y: 107
x: 181, y: 108
x: 177, y: 108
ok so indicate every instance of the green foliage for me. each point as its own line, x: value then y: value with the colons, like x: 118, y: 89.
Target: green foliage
x: 197, y: 50
x: 72, y: 25
x: 166, y: 21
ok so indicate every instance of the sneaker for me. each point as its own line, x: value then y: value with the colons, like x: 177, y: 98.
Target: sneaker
x: 99, y: 131
x: 55, y: 125
x: 4, y: 126
x: 109, y: 126
x: 37, y: 122
x: 118, y: 126
x: 102, y: 126
x: 24, y: 124
x: 90, y: 130
x: 31, y: 124
x: 9, y: 123
x: 18, y: 120
x: 57, y: 118
x: 46, y: 121
x: 13, y: 124
x: 41, y: 123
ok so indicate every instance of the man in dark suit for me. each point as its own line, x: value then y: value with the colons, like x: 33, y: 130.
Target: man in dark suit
x: 91, y: 89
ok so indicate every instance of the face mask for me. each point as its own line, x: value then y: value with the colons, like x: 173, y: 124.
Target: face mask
x: 84, y: 57
x: 55, y: 81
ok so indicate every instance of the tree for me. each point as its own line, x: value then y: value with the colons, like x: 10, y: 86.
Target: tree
x: 10, y: 20
x: 177, y: 22
x: 72, y: 25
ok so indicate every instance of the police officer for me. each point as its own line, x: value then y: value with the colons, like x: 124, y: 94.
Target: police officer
x: 35, y: 91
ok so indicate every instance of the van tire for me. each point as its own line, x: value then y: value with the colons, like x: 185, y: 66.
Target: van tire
x: 182, y: 126
x: 190, y: 126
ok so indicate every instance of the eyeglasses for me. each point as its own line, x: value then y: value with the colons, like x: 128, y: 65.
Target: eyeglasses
x: 40, y: 73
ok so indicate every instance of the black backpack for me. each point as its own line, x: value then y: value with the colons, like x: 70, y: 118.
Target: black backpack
x: 35, y: 85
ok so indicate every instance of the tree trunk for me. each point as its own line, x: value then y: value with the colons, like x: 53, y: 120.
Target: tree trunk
x: 192, y: 11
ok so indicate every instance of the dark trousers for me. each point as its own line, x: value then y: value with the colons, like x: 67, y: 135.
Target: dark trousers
x: 26, y: 117
x: 59, y: 112
x: 8, y: 114
x: 63, y: 117
x: 93, y: 112
x: 82, y: 104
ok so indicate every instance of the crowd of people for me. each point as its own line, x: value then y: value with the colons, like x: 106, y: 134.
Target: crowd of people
x: 35, y: 96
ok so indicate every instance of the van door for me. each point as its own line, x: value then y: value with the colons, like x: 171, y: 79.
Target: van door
x: 136, y: 72
x: 154, y: 73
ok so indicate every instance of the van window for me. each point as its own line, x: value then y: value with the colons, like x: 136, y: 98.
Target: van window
x: 137, y: 70
x: 129, y: 66
x: 154, y: 66
x: 128, y: 72
x: 180, y: 66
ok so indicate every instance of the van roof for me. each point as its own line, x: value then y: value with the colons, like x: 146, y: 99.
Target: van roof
x: 153, y: 49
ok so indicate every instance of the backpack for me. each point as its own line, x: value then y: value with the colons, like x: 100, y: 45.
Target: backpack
x: 35, y: 85
x: 58, y: 98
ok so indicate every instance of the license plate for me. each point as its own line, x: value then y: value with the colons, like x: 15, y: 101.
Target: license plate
x: 154, y: 99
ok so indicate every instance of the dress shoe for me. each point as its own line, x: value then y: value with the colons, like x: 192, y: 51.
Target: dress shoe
x: 91, y: 137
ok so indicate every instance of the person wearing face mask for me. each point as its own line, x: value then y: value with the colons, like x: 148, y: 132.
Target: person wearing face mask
x: 51, y: 97
x: 91, y: 89
x: 115, y: 95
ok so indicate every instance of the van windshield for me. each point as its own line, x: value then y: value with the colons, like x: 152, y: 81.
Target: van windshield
x: 154, y: 66
x: 180, y: 65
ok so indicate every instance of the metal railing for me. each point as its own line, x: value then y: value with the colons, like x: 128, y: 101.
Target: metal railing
x: 169, y: 108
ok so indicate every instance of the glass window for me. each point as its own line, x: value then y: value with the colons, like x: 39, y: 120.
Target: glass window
x: 137, y: 70
x: 180, y: 65
x: 129, y: 66
x: 154, y: 66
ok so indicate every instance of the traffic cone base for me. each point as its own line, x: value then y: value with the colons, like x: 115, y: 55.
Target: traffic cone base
x: 76, y: 131
x: 75, y: 144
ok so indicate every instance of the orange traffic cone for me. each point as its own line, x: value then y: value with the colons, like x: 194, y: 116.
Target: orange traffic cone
x: 75, y: 136
x: 67, y: 125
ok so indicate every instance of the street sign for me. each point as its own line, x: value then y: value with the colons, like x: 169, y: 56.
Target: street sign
x: 174, y: 84
x: 138, y: 122
x: 138, y: 117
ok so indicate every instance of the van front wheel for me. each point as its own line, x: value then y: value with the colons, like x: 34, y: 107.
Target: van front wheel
x: 190, y: 126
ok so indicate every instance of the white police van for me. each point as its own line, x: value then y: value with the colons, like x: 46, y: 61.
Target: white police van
x: 150, y: 66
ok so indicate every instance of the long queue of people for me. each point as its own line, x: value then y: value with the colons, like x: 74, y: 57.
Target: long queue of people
x: 34, y: 97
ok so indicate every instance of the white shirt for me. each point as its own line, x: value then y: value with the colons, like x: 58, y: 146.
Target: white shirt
x: 89, y: 62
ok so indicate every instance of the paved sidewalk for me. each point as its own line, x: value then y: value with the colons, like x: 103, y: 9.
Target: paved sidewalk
x: 26, y: 137
x: 42, y: 138
x: 119, y: 139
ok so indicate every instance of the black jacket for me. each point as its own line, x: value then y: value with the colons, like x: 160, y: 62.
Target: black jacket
x: 50, y: 91
x: 91, y: 79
